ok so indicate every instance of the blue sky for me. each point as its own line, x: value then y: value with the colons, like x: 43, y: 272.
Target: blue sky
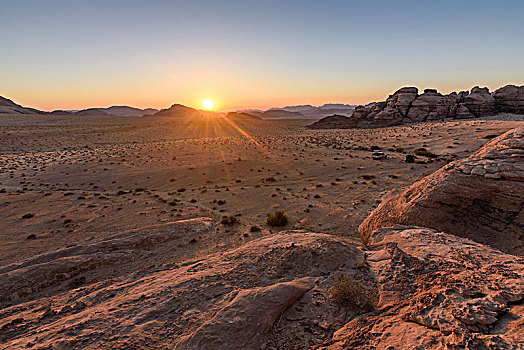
x: 75, y: 54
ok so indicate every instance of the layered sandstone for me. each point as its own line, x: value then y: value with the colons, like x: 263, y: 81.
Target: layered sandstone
x: 407, y: 106
x: 480, y: 197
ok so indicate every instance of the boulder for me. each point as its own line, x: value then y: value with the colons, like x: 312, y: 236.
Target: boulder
x: 480, y: 197
x: 401, y: 100
x: 425, y: 106
x: 480, y: 102
x: 509, y: 98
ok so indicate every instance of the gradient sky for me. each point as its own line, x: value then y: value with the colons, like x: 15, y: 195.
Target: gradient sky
x: 77, y: 54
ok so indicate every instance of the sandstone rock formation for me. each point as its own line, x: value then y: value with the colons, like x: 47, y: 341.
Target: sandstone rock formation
x: 61, y: 269
x: 407, y: 106
x: 438, y: 291
x: 480, y: 197
x: 435, y: 291
x: 223, y: 301
x: 509, y: 98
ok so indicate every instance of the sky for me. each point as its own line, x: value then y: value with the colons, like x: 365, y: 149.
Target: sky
x: 252, y: 54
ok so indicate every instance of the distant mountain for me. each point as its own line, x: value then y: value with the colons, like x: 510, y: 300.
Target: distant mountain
x: 303, y: 111
x: 180, y: 111
x: 281, y: 113
x: 8, y: 106
x: 116, y: 111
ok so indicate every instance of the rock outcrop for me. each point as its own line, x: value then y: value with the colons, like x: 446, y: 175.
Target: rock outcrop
x: 438, y: 291
x: 225, y: 300
x: 407, y: 106
x: 480, y: 197
x: 435, y: 291
x: 510, y: 98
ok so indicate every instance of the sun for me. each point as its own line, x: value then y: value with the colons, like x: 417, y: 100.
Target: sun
x: 208, y: 104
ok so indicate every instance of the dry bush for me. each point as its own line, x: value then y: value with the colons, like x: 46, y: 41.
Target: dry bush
x: 351, y: 291
x: 229, y: 220
x: 278, y: 219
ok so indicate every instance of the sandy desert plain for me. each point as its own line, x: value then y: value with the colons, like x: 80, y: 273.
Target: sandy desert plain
x: 69, y: 182
x: 88, y: 178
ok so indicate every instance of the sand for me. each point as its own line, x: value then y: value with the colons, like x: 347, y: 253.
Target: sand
x: 77, y: 179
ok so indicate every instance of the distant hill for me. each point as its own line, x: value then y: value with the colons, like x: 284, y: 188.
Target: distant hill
x: 180, y: 111
x: 281, y: 113
x: 8, y: 106
x: 242, y: 116
x: 116, y: 111
x: 303, y: 111
x: 320, y: 111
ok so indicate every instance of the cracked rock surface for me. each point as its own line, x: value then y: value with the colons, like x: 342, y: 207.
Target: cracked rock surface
x: 438, y: 291
x: 480, y: 197
x: 435, y: 291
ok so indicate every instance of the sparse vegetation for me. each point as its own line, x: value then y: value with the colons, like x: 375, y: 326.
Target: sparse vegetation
x: 229, y: 220
x: 425, y: 153
x: 278, y: 219
x: 255, y: 228
x: 346, y: 290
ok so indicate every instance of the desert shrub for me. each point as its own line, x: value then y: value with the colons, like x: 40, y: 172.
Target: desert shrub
x: 424, y: 152
x: 229, y: 220
x: 346, y: 290
x: 399, y: 149
x: 368, y: 177
x: 255, y: 228
x: 278, y: 219
x: 374, y: 148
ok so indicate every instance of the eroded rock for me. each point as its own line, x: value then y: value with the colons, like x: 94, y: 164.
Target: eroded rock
x: 226, y: 300
x: 480, y: 197
x: 438, y: 291
x: 407, y: 106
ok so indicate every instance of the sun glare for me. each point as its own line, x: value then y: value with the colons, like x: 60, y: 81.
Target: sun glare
x: 208, y: 104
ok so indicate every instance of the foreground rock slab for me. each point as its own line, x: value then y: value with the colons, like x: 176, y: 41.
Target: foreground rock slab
x: 438, y: 291
x: 480, y: 197
x: 224, y: 301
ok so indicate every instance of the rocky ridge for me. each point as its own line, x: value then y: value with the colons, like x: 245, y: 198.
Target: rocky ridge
x: 407, y: 106
x: 480, y: 197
